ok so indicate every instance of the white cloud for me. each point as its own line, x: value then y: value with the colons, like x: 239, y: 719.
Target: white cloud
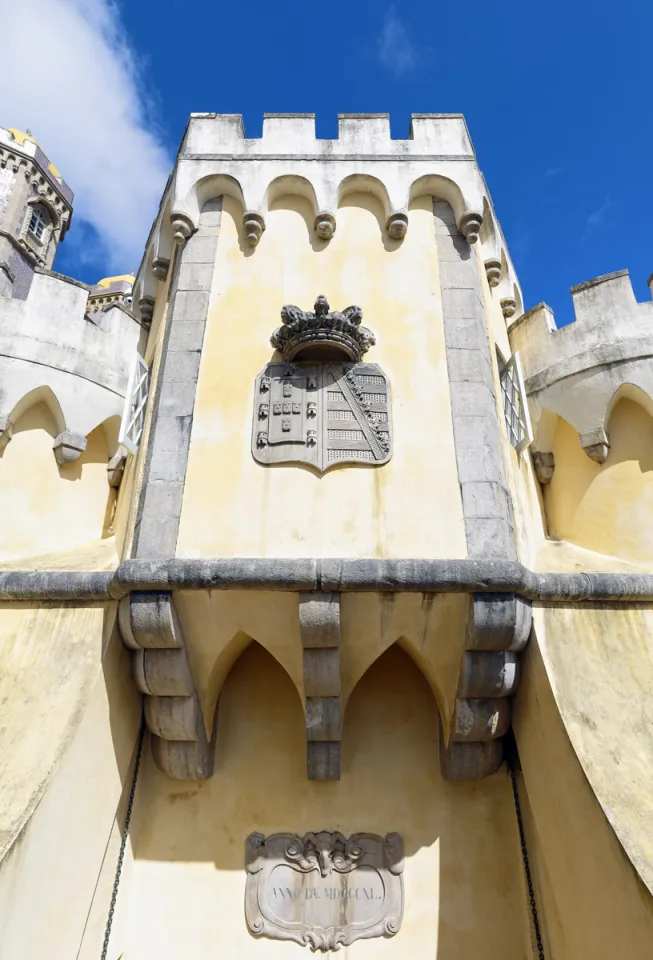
x: 597, y: 217
x: 396, y: 51
x: 75, y: 84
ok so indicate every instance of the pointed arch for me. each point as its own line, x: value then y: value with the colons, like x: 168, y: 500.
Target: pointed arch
x: 43, y: 394
x: 628, y: 391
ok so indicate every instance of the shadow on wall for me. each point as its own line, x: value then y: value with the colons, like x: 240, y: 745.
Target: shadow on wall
x: 40, y: 512
x: 608, y: 507
x: 464, y: 894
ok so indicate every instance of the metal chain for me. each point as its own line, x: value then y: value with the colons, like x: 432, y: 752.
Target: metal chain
x: 123, y: 844
x: 524, y: 853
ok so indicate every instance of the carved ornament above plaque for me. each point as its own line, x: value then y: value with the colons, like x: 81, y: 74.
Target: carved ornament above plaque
x: 322, y: 414
x: 324, y: 890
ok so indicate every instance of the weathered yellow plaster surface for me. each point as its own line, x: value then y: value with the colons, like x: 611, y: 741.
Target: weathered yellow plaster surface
x: 592, y: 899
x: 48, y: 508
x: 607, y: 508
x: 68, y: 731
x: 464, y: 894
x: 408, y: 508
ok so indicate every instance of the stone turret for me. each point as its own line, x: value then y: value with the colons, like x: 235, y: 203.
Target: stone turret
x: 36, y: 206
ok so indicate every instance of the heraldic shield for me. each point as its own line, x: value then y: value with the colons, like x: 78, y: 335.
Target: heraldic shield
x: 322, y: 414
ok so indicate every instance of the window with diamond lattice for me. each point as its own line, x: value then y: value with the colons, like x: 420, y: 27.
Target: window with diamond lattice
x: 133, y: 418
x: 515, y: 405
x: 38, y: 222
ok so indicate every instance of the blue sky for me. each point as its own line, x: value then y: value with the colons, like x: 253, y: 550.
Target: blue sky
x: 557, y: 98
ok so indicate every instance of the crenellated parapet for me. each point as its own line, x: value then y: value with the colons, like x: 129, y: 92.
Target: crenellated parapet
x: 578, y: 371
x: 52, y: 349
x: 437, y: 159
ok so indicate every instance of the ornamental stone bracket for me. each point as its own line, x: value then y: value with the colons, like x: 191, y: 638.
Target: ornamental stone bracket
x: 498, y: 630
x: 68, y: 447
x: 319, y: 622
x: 324, y: 890
x: 596, y: 445
x: 150, y: 628
x: 6, y: 433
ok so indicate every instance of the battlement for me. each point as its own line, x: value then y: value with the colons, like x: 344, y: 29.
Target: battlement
x: 436, y: 160
x: 51, y: 349
x: 576, y: 370
x: 293, y: 134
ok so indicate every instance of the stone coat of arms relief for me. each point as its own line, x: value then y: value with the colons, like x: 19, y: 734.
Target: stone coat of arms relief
x: 320, y: 406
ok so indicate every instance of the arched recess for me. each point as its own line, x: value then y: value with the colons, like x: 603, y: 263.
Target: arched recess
x: 441, y: 188
x: 210, y: 686
x: 425, y: 667
x: 291, y: 185
x: 207, y: 188
x: 363, y: 183
x: 628, y: 391
x: 43, y: 394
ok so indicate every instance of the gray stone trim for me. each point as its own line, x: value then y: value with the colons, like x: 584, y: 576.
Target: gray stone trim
x: 341, y: 575
x: 150, y: 628
x: 478, y: 723
x: 157, y: 523
x: 479, y: 451
x: 319, y: 623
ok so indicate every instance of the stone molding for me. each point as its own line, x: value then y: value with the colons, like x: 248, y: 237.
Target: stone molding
x: 343, y: 575
x: 474, y: 749
x: 150, y: 628
x: 173, y: 403
x: 543, y: 465
x: 319, y: 623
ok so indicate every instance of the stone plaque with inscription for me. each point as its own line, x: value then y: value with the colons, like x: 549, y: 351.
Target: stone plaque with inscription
x: 324, y: 890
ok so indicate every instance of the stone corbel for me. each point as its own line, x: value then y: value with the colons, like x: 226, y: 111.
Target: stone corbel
x: 6, y: 432
x: 150, y: 628
x: 68, y: 447
x: 116, y: 467
x: 319, y: 621
x: 160, y: 267
x: 469, y: 225
x: 497, y: 631
x: 596, y: 445
x: 508, y: 307
x: 493, y: 272
x: 182, y: 228
x: 146, y: 307
x: 254, y: 225
x: 397, y: 225
x: 325, y: 225
x: 543, y: 465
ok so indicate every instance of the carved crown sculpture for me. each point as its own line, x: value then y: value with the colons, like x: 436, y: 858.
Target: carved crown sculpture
x: 322, y: 334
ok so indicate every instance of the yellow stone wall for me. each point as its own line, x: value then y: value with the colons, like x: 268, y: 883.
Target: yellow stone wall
x: 607, y: 508
x: 46, y: 507
x: 70, y: 717
x: 463, y: 881
x: 408, y: 508
x: 583, y: 732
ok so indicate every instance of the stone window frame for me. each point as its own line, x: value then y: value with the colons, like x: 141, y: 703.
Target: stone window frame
x: 133, y: 417
x: 514, y: 402
x: 39, y: 246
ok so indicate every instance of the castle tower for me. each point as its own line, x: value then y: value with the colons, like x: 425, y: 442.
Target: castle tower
x: 36, y: 205
x: 336, y: 658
